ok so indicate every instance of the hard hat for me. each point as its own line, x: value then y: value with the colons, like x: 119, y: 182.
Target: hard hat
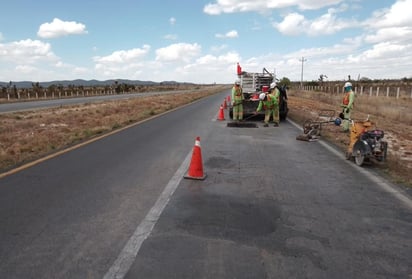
x: 237, y: 81
x: 262, y: 96
x: 338, y: 121
x: 272, y: 85
x: 348, y: 84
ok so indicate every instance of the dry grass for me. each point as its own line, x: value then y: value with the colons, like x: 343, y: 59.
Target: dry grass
x: 389, y: 114
x: 29, y: 135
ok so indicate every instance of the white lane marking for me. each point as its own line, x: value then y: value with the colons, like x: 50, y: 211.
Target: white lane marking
x: 376, y: 179
x: 128, y: 255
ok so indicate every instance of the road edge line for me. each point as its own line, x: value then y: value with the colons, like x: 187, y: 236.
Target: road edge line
x: 380, y: 181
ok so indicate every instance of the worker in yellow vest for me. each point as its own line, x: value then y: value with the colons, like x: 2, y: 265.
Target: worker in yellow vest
x: 237, y: 101
x: 266, y: 102
x: 274, y: 91
x: 347, y: 105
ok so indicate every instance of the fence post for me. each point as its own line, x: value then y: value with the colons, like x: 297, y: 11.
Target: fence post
x: 8, y: 96
x: 370, y: 91
x: 397, y: 93
x: 387, y: 91
x: 377, y: 91
x: 361, y: 90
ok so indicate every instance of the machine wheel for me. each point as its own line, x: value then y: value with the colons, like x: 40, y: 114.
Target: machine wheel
x: 359, y: 156
x: 307, y: 126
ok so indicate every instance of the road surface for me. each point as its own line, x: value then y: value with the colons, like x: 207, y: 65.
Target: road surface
x: 270, y: 207
x: 58, y: 102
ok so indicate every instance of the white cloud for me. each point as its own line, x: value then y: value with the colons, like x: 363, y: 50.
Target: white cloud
x: 120, y: 63
x: 262, y: 6
x: 171, y: 37
x: 231, y: 34
x: 398, y: 34
x: 398, y: 15
x: 58, y: 28
x: 181, y: 52
x: 123, y: 56
x: 218, y: 48
x: 392, y: 24
x: 26, y: 52
x: 210, y: 68
x: 172, y: 21
x: 385, y: 50
x: 295, y: 24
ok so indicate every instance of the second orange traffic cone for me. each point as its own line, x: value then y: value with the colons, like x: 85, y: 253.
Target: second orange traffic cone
x: 224, y: 104
x: 196, y: 164
x: 221, y: 115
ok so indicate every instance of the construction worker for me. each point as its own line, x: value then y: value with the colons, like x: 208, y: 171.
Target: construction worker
x: 274, y: 91
x: 347, y: 105
x: 267, y: 102
x: 237, y: 101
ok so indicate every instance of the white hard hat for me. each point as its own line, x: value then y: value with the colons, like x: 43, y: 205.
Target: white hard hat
x: 348, y: 84
x: 272, y: 85
x: 262, y: 96
x: 237, y: 81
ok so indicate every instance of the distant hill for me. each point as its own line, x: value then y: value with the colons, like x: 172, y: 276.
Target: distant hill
x: 88, y: 83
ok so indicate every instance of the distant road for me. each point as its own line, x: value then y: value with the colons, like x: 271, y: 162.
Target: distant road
x: 40, y: 104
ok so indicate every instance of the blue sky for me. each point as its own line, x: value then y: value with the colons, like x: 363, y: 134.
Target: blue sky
x: 202, y: 40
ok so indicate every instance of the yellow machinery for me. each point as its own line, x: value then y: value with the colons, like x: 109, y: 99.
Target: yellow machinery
x: 366, y: 143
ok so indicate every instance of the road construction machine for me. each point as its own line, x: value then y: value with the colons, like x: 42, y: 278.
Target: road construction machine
x: 366, y: 143
x: 252, y: 85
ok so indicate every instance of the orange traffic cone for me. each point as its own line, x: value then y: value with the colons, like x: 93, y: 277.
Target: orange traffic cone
x: 224, y: 104
x: 196, y: 164
x: 228, y: 99
x: 221, y: 115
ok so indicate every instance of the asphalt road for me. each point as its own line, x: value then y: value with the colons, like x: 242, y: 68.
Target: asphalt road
x: 270, y: 207
x: 49, y: 103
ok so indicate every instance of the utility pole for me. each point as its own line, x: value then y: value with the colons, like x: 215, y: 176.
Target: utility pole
x: 301, y: 75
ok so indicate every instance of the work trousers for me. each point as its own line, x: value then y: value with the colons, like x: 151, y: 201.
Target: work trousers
x: 274, y: 113
x: 238, y: 112
x: 346, y: 120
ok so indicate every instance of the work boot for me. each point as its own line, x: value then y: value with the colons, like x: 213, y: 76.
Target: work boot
x: 276, y: 125
x: 266, y: 125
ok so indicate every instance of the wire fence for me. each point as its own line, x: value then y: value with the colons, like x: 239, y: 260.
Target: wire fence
x: 372, y: 91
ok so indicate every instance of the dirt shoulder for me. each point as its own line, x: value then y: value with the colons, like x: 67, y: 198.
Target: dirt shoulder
x: 398, y: 134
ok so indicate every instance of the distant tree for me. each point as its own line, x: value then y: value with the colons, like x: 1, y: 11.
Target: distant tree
x: 36, y: 87
x: 365, y: 79
x: 285, y: 82
x: 322, y: 78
